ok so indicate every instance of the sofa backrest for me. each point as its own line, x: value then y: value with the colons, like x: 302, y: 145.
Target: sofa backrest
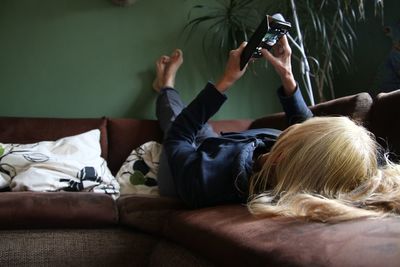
x: 32, y: 130
x: 118, y: 136
x: 385, y: 122
x: 238, y: 125
x: 355, y: 106
x: 124, y: 135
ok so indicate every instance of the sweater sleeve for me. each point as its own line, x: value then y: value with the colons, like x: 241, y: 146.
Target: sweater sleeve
x: 195, y: 115
x: 295, y: 108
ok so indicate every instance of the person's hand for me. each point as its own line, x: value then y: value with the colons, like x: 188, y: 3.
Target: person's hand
x: 280, y: 59
x: 232, y: 70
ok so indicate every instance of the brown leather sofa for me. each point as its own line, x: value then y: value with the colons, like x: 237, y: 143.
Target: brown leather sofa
x: 88, y: 229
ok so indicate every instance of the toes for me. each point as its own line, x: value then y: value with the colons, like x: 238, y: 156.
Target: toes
x: 165, y: 59
x: 177, y: 54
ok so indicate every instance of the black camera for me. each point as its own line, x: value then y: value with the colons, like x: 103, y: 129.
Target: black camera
x: 267, y: 34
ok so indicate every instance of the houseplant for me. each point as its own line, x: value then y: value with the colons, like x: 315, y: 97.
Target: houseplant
x: 324, y: 30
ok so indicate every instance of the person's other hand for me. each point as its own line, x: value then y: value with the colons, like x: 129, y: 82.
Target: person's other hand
x: 280, y: 58
x: 232, y: 71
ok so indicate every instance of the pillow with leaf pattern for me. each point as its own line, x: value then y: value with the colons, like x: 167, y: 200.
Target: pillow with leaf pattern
x: 138, y: 174
x: 69, y: 164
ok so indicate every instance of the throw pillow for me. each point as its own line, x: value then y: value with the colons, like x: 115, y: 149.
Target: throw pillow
x: 138, y: 174
x: 69, y: 164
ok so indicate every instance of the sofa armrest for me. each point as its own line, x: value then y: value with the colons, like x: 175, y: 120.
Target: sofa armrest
x: 384, y: 122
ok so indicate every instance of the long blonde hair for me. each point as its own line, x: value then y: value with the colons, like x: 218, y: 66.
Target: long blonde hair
x: 325, y: 169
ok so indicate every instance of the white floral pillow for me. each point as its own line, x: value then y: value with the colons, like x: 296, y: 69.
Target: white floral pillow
x: 138, y: 174
x: 68, y: 164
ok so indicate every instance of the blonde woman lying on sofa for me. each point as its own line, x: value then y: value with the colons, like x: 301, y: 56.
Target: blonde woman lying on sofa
x: 320, y: 168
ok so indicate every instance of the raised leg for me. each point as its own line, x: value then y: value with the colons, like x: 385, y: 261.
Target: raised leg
x: 168, y: 107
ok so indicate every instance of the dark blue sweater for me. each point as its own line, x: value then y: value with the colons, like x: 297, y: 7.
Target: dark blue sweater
x: 218, y: 170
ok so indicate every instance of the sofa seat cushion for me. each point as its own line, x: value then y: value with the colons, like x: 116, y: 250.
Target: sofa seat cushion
x: 355, y: 106
x: 32, y: 130
x: 231, y: 236
x: 26, y: 210
x: 147, y: 213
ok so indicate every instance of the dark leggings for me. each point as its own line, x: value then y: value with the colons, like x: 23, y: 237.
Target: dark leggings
x: 168, y: 107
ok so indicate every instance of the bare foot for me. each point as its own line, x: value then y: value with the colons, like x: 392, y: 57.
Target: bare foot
x: 160, y: 67
x: 166, y: 68
x: 172, y: 67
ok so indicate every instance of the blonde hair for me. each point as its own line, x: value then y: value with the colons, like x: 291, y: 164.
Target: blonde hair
x: 325, y: 169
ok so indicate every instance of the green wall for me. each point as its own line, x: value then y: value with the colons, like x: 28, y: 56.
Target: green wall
x: 89, y: 58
